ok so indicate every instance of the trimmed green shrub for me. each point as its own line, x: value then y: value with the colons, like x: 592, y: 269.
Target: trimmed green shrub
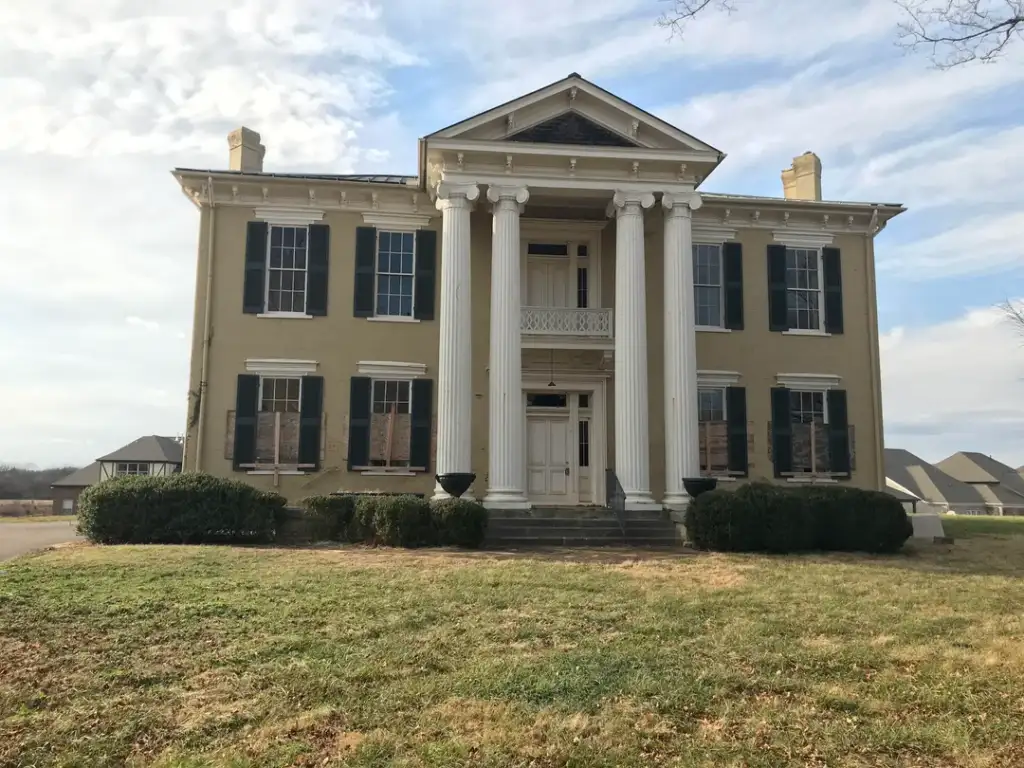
x: 397, y: 521
x: 761, y: 517
x: 186, y: 508
x: 459, y: 522
x: 331, y: 517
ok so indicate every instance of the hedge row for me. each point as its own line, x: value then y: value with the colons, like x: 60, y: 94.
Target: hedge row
x: 195, y: 508
x: 177, y: 509
x: 397, y: 521
x: 760, y: 517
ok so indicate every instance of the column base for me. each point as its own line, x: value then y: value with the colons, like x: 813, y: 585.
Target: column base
x: 676, y: 501
x: 640, y: 501
x: 507, y: 500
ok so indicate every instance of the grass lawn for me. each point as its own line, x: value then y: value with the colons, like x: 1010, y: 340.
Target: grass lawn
x: 211, y: 656
x: 39, y: 519
x: 964, y: 526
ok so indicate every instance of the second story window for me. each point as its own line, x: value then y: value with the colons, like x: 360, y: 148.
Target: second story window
x: 707, y: 285
x: 396, y: 255
x: 286, y: 269
x: 132, y: 468
x: 803, y: 288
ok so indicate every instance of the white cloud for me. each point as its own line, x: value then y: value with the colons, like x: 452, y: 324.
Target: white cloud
x: 980, y: 245
x: 955, y: 386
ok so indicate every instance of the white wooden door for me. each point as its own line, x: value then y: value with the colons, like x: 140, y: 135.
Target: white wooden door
x: 547, y: 282
x: 548, y: 461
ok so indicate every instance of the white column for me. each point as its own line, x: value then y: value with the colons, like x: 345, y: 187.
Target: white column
x: 454, y: 365
x: 507, y: 424
x: 632, y: 419
x: 682, y: 443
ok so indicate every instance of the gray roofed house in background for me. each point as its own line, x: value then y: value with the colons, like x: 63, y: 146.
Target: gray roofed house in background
x: 80, y: 478
x: 148, y: 449
x: 999, y: 483
x: 939, y: 490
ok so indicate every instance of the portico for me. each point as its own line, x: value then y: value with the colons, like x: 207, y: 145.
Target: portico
x: 560, y: 160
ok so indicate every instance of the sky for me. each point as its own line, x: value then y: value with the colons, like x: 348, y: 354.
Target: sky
x: 102, y: 98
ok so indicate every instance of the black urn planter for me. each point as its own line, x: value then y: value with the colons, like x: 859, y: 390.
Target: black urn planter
x: 456, y: 483
x: 695, y: 486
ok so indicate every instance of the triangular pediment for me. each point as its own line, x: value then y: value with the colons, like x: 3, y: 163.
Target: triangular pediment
x: 577, y: 112
x: 572, y: 128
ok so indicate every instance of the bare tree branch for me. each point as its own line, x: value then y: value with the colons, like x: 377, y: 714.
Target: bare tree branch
x: 956, y: 32
x: 683, y: 11
x: 1014, y: 314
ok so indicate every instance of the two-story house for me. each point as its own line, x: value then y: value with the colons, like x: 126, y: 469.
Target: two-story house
x: 549, y: 302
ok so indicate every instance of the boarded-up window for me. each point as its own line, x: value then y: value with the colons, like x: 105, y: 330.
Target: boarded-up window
x: 391, y: 423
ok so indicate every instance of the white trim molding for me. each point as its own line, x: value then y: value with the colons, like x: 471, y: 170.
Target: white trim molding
x: 280, y: 367
x: 393, y: 319
x: 289, y: 217
x: 286, y: 315
x: 396, y: 222
x: 717, y: 378
x: 710, y: 233
x: 808, y: 382
x: 387, y: 369
x: 803, y: 238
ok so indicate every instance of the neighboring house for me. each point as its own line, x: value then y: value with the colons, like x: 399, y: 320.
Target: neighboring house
x: 1000, y: 485
x: 936, y: 490
x: 150, y: 455
x: 547, y: 300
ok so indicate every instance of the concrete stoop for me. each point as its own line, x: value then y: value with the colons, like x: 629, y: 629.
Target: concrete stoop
x: 580, y: 526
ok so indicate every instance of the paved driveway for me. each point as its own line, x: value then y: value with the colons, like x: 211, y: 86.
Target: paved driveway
x: 19, y: 538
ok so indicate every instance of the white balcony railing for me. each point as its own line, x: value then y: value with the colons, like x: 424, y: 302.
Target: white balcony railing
x: 566, y: 321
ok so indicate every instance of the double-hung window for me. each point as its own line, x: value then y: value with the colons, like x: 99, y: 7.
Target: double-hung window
x: 395, y: 273
x: 391, y: 423
x: 277, y: 423
x: 286, y: 269
x: 707, y: 285
x: 804, y: 289
x: 809, y: 417
x: 713, y: 430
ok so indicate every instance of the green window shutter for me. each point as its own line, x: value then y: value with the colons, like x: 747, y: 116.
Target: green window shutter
x: 422, y: 412
x: 782, y: 431
x: 778, y: 311
x: 832, y: 279
x: 838, y: 432
x: 366, y: 257
x: 736, y: 410
x: 310, y: 418
x: 426, y: 274
x: 732, y: 273
x: 316, y: 278
x: 253, y: 290
x: 359, y: 405
x: 247, y: 396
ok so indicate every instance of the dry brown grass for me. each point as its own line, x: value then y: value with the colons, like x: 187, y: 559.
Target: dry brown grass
x: 24, y: 507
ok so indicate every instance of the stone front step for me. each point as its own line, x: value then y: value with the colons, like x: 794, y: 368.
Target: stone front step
x: 579, y: 526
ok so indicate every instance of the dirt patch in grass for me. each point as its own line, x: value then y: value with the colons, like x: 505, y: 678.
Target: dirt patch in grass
x: 209, y: 656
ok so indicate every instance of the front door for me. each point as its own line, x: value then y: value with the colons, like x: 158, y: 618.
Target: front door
x: 548, y: 468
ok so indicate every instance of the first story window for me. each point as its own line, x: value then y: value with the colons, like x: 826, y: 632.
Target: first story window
x: 132, y: 468
x: 804, y: 288
x: 809, y: 419
x: 67, y: 505
x: 396, y: 256
x: 390, y: 423
x: 707, y: 285
x: 713, y: 430
x: 277, y: 422
x: 286, y: 269
x: 280, y: 395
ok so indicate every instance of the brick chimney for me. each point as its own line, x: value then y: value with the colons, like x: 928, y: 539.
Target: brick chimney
x: 803, y: 180
x: 246, y: 152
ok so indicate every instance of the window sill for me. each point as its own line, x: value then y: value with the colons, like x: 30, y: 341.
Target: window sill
x: 381, y: 472
x: 812, y: 479
x: 286, y: 315
x: 393, y: 319
x: 712, y: 329
x: 804, y: 332
x: 273, y: 472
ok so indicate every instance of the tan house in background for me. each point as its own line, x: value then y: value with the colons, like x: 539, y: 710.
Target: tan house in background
x: 549, y: 302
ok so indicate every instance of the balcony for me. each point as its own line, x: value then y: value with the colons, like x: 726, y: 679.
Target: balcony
x: 566, y: 321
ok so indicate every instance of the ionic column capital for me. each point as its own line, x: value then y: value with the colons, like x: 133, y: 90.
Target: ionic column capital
x: 681, y: 204
x: 455, y: 195
x: 629, y: 203
x: 518, y: 194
